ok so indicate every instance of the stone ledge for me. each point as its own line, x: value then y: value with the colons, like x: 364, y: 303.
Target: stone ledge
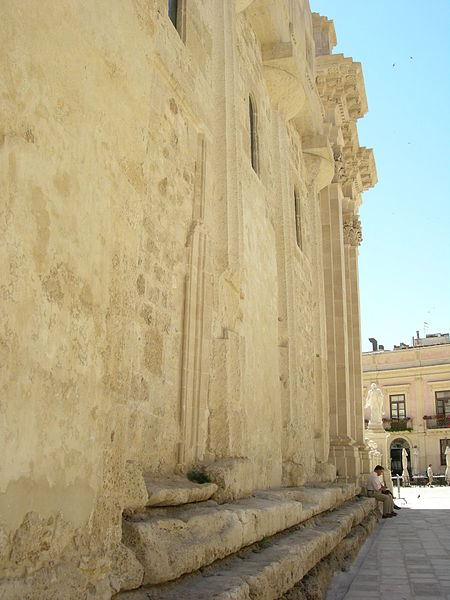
x: 177, y: 491
x: 170, y: 542
x: 270, y: 570
x: 141, y: 490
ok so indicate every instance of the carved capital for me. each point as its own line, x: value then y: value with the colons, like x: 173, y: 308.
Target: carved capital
x: 352, y: 231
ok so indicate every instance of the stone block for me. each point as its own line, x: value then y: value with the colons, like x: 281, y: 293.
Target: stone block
x: 293, y: 473
x: 126, y: 571
x: 135, y: 495
x: 234, y: 478
x: 325, y: 472
x: 176, y: 491
x: 175, y: 543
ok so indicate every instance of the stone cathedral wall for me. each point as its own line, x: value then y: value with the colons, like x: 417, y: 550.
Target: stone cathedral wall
x: 156, y: 304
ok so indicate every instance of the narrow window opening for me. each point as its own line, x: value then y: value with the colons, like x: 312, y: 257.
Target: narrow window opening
x: 398, y: 406
x: 443, y: 403
x: 253, y: 138
x: 298, y: 220
x: 173, y: 12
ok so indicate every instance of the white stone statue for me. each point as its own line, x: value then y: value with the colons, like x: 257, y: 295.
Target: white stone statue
x: 374, y: 401
x: 447, y: 460
x: 405, y: 473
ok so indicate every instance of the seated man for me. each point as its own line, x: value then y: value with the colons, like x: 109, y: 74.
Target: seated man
x: 375, y: 489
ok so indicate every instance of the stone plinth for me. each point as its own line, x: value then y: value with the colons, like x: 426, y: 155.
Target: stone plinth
x: 380, y: 437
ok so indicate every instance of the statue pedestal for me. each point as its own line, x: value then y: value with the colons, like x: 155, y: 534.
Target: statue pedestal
x: 377, y: 435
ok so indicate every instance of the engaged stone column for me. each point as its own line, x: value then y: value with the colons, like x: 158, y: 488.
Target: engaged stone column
x: 342, y: 444
x: 352, y: 240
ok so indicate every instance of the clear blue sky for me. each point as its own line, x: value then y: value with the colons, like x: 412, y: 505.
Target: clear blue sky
x: 405, y: 254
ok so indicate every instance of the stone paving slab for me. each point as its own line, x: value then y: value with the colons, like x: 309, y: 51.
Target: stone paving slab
x: 407, y: 557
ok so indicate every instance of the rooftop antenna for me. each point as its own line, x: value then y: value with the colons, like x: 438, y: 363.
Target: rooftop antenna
x: 425, y: 328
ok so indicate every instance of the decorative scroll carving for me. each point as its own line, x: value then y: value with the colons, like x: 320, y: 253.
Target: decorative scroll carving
x: 352, y: 231
x: 339, y: 165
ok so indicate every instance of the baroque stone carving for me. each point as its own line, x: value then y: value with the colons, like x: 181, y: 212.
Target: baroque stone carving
x: 352, y: 231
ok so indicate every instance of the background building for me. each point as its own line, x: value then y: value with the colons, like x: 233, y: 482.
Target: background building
x: 415, y: 380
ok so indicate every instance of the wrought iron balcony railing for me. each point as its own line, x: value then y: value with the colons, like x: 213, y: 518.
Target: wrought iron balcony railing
x: 398, y: 424
x: 438, y: 422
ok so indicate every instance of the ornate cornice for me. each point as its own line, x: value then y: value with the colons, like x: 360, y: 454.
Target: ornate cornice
x: 340, y: 84
x: 352, y: 231
x: 367, y: 168
x: 341, y: 87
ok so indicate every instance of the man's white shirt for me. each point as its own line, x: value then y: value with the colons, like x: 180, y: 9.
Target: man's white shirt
x: 373, y: 483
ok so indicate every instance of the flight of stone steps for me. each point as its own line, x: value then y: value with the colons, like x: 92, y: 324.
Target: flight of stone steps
x: 184, y: 545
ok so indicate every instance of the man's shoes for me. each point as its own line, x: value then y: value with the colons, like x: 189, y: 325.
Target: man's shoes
x: 397, y: 507
x: 388, y: 516
x: 393, y: 514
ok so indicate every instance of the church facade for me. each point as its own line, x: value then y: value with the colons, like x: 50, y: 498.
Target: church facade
x: 181, y: 185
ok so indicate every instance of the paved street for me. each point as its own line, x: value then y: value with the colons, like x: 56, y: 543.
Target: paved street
x: 407, y: 557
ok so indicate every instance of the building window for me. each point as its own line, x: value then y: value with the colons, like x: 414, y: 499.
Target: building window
x: 443, y: 403
x: 444, y: 444
x: 253, y: 134
x: 173, y: 12
x: 398, y: 406
x: 298, y: 220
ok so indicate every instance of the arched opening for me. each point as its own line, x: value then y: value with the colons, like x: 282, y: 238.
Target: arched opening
x: 397, y: 446
x: 253, y: 134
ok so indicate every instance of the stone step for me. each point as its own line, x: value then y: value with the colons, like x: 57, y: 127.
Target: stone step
x: 170, y: 542
x: 141, y: 490
x: 176, y: 491
x: 271, y: 569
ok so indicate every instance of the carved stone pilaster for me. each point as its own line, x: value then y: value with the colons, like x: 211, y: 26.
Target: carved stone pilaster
x: 352, y: 231
x: 196, y: 327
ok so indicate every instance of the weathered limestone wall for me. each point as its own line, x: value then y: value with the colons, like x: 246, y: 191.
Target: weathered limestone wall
x: 99, y: 171
x: 162, y: 301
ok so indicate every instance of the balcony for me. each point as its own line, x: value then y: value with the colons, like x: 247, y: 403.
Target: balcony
x: 398, y: 424
x: 437, y: 422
